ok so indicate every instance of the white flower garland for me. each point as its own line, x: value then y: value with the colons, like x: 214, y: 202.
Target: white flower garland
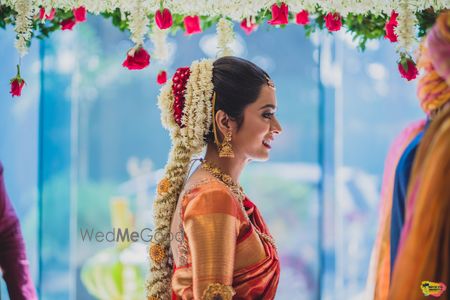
x: 237, y: 10
x: 406, y: 29
x: 225, y: 36
x: 186, y: 141
x: 138, y: 22
x: 159, y: 39
x: 23, y: 28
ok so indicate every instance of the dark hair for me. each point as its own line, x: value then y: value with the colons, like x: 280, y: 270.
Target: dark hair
x: 237, y: 83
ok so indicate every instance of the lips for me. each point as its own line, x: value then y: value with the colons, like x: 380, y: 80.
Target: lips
x: 267, y: 143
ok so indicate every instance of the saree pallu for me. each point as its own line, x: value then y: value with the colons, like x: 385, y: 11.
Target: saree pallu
x: 378, y: 281
x: 220, y: 252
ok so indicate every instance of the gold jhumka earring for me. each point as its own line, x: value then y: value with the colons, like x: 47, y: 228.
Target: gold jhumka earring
x: 225, y: 149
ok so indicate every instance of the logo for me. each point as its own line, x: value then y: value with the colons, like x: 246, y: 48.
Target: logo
x: 435, y: 289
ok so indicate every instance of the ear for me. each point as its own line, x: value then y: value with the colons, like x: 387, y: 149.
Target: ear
x: 223, y: 123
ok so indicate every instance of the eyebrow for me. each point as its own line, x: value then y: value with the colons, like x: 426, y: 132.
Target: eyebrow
x: 268, y: 106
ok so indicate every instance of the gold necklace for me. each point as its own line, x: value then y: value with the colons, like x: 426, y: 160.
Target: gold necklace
x: 238, y: 191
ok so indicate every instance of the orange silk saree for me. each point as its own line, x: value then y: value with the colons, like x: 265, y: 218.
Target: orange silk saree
x: 217, y: 252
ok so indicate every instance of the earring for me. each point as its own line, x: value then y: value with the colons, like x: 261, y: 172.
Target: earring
x: 226, y: 150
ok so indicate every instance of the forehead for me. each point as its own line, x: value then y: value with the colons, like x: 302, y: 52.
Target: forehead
x: 266, y: 96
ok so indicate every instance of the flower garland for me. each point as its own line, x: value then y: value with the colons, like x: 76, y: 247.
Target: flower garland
x: 138, y: 22
x: 225, y: 36
x: 365, y: 19
x: 23, y: 27
x: 159, y: 39
x: 187, y: 140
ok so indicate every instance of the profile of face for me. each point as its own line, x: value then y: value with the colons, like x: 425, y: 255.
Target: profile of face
x: 253, y: 139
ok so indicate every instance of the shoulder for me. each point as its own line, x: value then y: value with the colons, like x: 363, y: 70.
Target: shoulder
x: 208, y: 198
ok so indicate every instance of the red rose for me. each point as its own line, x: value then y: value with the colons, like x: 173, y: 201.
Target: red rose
x: 389, y: 27
x: 162, y: 77
x: 137, y: 59
x: 68, y: 24
x: 302, y: 18
x: 41, y: 13
x: 79, y: 14
x: 163, y: 18
x: 279, y: 14
x: 248, y: 26
x: 333, y: 21
x: 407, y: 68
x: 192, y: 24
x: 17, y: 84
x: 51, y: 15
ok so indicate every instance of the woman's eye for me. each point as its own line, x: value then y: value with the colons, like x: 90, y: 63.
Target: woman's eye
x: 268, y: 115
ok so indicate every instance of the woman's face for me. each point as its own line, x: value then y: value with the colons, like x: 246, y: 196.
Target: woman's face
x: 254, y: 138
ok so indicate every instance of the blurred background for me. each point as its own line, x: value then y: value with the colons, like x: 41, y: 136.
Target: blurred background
x: 84, y: 147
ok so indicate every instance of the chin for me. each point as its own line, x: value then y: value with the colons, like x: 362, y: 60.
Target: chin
x: 260, y: 157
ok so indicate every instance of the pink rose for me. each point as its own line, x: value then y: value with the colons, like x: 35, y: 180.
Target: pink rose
x: 68, y: 24
x: 389, y: 27
x: 407, y: 68
x: 162, y: 77
x: 192, y: 25
x: 137, y: 60
x: 41, y: 13
x: 79, y: 14
x: 279, y: 14
x: 163, y: 19
x: 248, y: 26
x: 333, y: 21
x: 302, y: 18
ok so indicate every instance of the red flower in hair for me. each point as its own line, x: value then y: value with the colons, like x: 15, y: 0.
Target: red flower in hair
x: 68, y: 24
x: 192, y: 25
x: 163, y: 18
x: 162, y: 77
x: 179, y: 81
x: 279, y: 14
x: 333, y: 21
x: 407, y: 68
x: 79, y: 14
x: 248, y: 26
x: 302, y: 18
x: 137, y: 59
x: 389, y: 27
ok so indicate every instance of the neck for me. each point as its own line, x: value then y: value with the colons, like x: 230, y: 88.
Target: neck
x: 230, y: 166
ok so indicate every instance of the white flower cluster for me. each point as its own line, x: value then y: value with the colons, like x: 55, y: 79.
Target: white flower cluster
x: 159, y: 39
x: 23, y: 28
x: 186, y: 142
x: 197, y: 112
x: 406, y: 29
x: 138, y: 22
x: 225, y: 36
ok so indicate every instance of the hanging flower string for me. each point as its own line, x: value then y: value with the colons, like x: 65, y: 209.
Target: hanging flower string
x: 225, y: 36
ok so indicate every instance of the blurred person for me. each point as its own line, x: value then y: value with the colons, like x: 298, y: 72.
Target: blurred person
x: 13, y: 259
x: 225, y: 250
x: 433, y: 92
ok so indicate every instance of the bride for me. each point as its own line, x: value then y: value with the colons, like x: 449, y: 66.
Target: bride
x: 216, y: 245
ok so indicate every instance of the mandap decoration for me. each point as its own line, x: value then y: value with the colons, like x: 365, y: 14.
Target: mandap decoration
x: 402, y: 22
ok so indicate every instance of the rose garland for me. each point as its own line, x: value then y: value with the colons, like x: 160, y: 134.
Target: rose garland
x: 187, y: 140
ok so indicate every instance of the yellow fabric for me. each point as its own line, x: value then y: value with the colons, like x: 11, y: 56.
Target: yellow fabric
x: 425, y: 241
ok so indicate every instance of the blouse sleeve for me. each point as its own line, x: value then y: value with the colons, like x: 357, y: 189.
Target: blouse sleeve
x: 211, y: 225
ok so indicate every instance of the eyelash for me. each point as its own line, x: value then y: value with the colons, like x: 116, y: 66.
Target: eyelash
x: 268, y: 115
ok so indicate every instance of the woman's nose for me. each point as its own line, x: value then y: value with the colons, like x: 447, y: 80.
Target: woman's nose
x: 276, y: 127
